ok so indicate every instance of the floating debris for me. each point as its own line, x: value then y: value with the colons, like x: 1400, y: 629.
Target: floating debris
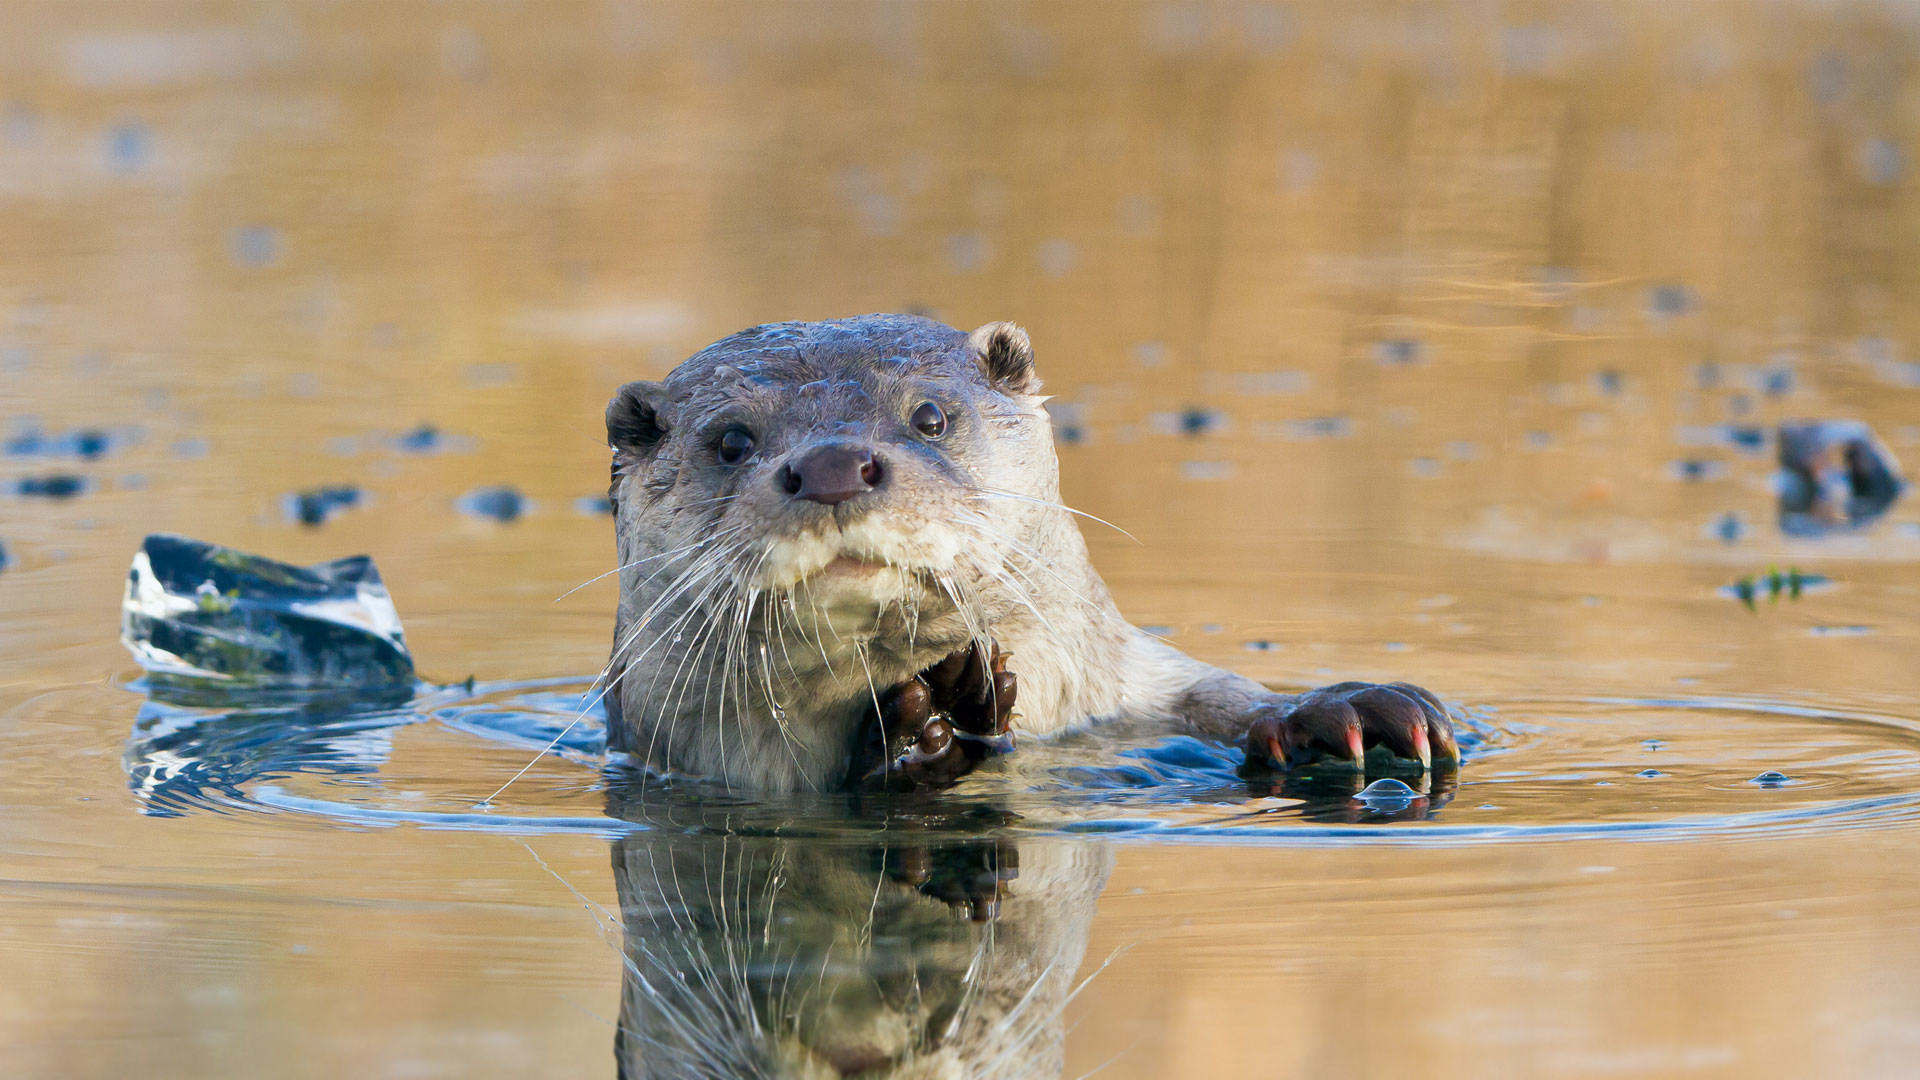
x: 218, y: 619
x: 1835, y: 475
x: 502, y: 504
x: 315, y: 506
x: 1773, y: 584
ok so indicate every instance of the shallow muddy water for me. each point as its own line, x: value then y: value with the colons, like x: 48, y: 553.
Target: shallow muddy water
x: 1440, y: 343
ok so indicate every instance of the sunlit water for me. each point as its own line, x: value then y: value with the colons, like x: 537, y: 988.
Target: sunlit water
x: 1438, y: 343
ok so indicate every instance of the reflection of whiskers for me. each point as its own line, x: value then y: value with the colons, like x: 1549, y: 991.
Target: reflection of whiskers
x: 765, y: 957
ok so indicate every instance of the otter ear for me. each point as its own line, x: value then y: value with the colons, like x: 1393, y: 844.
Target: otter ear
x: 1006, y: 355
x: 633, y: 419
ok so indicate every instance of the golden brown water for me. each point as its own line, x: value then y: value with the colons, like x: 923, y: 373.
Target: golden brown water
x: 1449, y: 290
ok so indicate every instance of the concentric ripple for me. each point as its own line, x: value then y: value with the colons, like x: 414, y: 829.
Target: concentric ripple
x: 1540, y: 768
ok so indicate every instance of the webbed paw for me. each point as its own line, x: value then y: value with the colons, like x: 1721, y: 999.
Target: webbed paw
x: 935, y: 727
x: 1344, y: 721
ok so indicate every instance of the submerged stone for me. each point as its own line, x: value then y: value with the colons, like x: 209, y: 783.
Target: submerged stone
x: 215, y: 618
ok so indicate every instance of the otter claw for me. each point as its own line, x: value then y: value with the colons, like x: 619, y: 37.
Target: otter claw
x: 935, y: 727
x: 1340, y: 723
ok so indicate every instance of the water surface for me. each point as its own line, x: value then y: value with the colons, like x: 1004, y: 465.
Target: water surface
x: 1441, y: 343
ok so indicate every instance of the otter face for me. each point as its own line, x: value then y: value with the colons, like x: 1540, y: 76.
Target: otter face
x: 850, y: 456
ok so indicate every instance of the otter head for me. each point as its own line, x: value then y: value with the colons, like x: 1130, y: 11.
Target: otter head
x: 853, y: 457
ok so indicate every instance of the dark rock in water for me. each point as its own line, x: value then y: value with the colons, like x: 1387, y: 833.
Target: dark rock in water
x: 424, y: 439
x: 85, y: 443
x: 1198, y: 421
x: 1728, y: 528
x: 502, y: 504
x: 1746, y: 437
x: 1834, y: 476
x: 51, y: 486
x: 212, y: 618
x: 1610, y: 382
x: 1695, y: 469
x: 1649, y: 774
x: 315, y: 506
x: 594, y: 505
x: 1771, y: 779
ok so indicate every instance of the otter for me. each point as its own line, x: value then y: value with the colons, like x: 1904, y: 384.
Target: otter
x: 811, y: 515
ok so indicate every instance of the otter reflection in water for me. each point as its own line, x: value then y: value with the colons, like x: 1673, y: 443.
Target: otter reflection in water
x: 944, y: 950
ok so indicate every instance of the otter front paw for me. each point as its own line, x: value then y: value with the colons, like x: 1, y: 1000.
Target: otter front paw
x: 1345, y: 720
x: 935, y: 727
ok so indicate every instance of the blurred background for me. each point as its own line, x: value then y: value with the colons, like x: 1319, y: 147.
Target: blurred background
x: 1430, y: 341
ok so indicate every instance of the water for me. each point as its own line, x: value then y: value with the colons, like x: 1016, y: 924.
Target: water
x: 1383, y: 330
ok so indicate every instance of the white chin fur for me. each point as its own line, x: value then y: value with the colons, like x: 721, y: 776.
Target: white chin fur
x: 926, y: 548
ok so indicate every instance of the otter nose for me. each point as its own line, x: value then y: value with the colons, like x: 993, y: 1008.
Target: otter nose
x: 831, y: 474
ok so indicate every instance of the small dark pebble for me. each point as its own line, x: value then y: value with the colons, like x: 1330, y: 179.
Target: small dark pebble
x: 1777, y: 382
x: 1397, y: 351
x: 1696, y: 469
x: 51, y: 486
x: 1771, y: 779
x: 502, y: 504
x: 1729, y: 528
x: 1747, y: 437
x: 1263, y: 646
x: 1198, y: 421
x: 313, y: 507
x: 424, y: 439
x: 1072, y: 434
x: 1611, y: 382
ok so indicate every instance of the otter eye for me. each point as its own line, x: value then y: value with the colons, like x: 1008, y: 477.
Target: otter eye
x: 735, y: 445
x: 928, y: 420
